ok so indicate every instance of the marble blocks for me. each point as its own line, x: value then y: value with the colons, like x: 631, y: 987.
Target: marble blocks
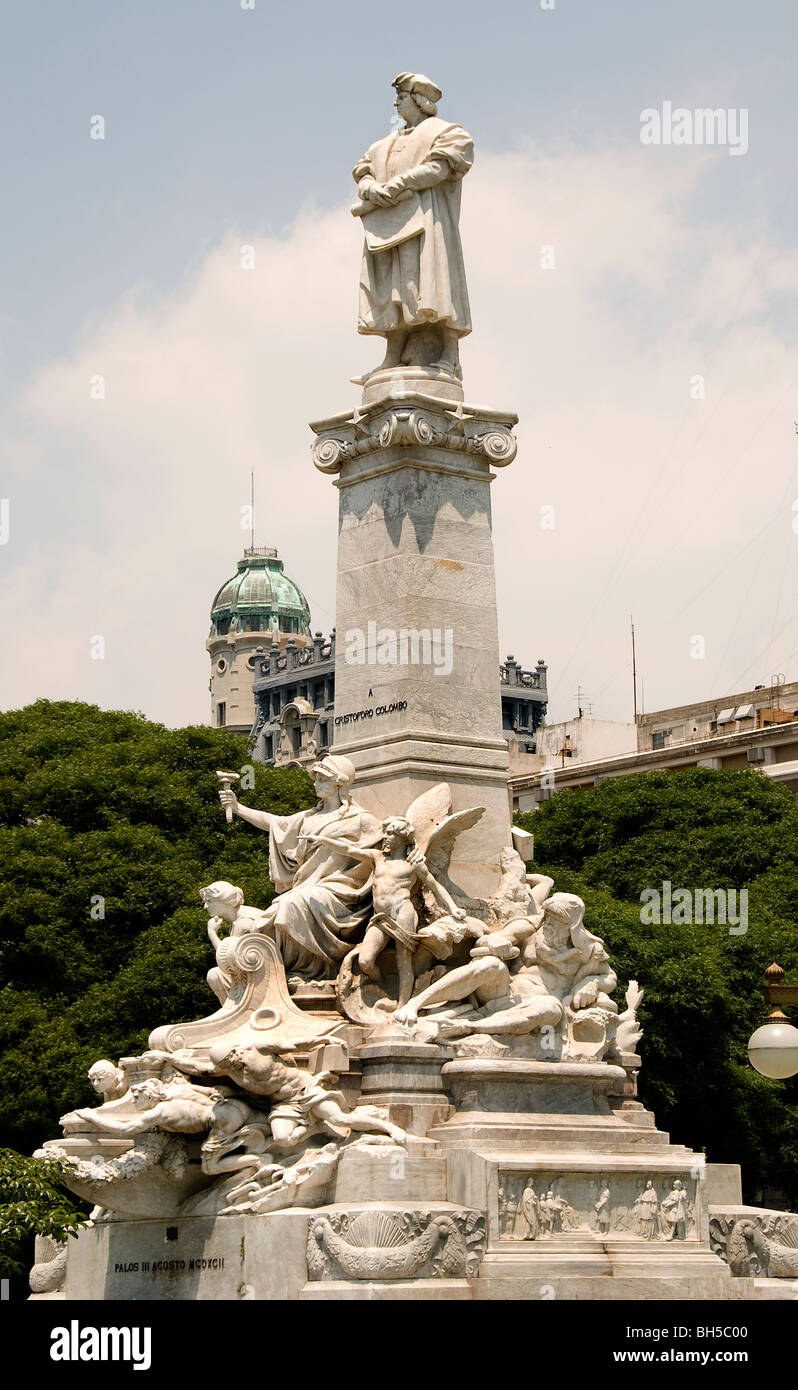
x: 417, y: 648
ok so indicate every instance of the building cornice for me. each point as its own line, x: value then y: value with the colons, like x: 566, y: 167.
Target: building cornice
x: 658, y: 758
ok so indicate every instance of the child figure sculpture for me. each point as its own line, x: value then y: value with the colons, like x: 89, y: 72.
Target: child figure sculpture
x: 399, y: 869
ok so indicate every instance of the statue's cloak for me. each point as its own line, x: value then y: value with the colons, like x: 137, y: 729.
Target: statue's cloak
x: 412, y: 271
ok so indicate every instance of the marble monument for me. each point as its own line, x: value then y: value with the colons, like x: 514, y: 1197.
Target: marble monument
x: 417, y: 1082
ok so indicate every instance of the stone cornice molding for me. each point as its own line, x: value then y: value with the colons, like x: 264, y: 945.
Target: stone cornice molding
x: 414, y: 421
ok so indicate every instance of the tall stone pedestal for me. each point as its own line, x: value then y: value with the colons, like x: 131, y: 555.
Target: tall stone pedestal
x: 417, y: 654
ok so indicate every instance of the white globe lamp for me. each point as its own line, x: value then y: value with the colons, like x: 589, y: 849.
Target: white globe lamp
x: 773, y: 1048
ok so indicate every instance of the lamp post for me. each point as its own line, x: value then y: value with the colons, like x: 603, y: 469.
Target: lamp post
x: 773, y: 1048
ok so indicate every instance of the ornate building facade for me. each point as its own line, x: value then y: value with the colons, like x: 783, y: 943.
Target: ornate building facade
x: 275, y: 681
x: 294, y: 694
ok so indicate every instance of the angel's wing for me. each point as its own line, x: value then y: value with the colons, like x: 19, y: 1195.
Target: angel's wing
x: 427, y: 811
x: 441, y: 840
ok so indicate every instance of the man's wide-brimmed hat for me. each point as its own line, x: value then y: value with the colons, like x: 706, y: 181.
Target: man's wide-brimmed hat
x: 416, y: 82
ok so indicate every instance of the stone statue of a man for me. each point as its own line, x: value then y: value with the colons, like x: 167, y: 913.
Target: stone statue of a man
x: 412, y: 283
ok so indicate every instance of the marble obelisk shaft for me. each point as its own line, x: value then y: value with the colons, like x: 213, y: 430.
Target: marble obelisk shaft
x: 417, y: 659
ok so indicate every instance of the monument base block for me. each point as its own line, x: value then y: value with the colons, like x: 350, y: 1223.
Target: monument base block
x: 448, y: 1216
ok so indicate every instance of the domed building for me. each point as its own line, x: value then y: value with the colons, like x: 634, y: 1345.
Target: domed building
x: 275, y: 681
x: 260, y: 607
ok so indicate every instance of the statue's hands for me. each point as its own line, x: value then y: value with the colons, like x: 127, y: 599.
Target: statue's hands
x: 328, y: 841
x: 585, y: 996
x: 416, y: 858
x: 458, y: 913
x: 379, y: 194
x: 494, y: 941
x: 74, y: 1119
x: 494, y: 944
x: 229, y: 800
x: 394, y: 189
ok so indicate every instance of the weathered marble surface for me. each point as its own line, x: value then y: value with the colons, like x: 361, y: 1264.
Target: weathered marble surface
x: 755, y: 1242
x: 415, y: 557
x: 219, y: 1117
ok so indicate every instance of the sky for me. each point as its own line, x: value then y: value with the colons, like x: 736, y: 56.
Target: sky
x: 653, y: 366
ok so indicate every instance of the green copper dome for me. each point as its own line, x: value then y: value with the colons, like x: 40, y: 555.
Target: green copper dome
x: 259, y: 593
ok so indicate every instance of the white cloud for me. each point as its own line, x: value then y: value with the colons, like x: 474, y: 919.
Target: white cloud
x: 126, y: 511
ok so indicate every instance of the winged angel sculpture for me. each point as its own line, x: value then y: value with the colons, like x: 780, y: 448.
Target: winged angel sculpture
x: 417, y: 920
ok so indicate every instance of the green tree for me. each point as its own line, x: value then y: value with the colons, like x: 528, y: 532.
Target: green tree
x: 109, y: 825
x: 33, y: 1201
x: 695, y: 829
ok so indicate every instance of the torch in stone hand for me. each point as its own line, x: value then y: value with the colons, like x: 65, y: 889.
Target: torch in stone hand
x: 228, y: 779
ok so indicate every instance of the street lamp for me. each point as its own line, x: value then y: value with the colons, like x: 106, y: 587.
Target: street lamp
x: 773, y: 1048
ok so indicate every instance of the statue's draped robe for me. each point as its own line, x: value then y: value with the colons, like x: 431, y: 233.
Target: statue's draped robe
x: 529, y: 1208
x: 418, y: 277
x: 323, y: 897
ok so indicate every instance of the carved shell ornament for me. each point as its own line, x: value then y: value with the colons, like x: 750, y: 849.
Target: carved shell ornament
x: 381, y: 1244
x: 376, y: 1245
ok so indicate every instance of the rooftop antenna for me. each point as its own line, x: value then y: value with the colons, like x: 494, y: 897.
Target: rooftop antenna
x: 252, y: 508
x: 776, y: 682
x: 634, y: 668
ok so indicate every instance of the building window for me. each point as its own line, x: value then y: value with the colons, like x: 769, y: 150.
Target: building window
x: 661, y: 738
x: 268, y: 747
x: 221, y: 714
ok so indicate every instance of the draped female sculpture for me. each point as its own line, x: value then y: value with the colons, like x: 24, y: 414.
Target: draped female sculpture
x: 323, y: 894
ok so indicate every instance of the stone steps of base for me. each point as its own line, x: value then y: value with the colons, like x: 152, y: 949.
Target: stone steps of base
x: 386, y: 1291
x: 502, y: 1133
x: 774, y: 1290
x: 589, y: 1256
x: 698, y: 1287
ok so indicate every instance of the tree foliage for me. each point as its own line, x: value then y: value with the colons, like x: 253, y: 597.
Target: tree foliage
x: 109, y: 825
x: 695, y: 829
x: 33, y: 1201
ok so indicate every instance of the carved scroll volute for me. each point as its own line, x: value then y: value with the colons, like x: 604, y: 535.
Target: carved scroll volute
x: 499, y: 447
x: 254, y: 964
x: 328, y: 454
